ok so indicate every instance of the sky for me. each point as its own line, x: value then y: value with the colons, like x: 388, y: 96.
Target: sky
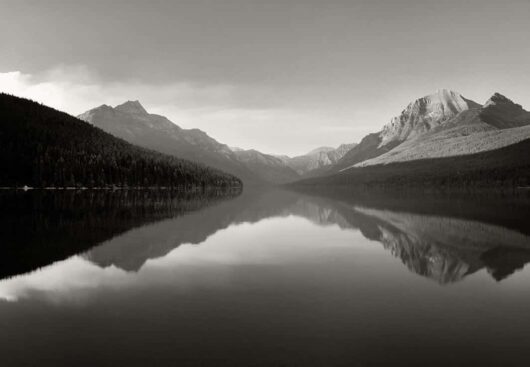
x: 280, y: 76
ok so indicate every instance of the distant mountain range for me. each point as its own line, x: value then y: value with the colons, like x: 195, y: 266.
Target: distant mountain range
x: 440, y: 139
x: 443, y: 130
x: 317, y: 159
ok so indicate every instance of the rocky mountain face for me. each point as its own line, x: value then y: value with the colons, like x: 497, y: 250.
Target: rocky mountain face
x: 425, y: 114
x: 369, y: 147
x: 502, y: 113
x: 442, y: 124
x: 317, y: 158
x: 131, y: 122
x: 498, y: 123
x: 272, y: 168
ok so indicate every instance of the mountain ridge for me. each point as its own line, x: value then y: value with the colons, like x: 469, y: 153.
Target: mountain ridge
x: 424, y: 114
x: 435, y: 126
x: 498, y: 123
x: 317, y: 158
x: 440, y: 140
x: 43, y: 147
x: 131, y: 122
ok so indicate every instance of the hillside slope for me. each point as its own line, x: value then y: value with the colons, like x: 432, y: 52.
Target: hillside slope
x: 131, y: 122
x: 508, y: 166
x: 268, y: 167
x: 40, y: 147
x: 317, y: 159
x: 451, y: 143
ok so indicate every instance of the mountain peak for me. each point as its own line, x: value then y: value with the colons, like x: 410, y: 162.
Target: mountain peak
x: 424, y: 114
x: 449, y: 99
x: 503, y: 113
x: 497, y: 98
x: 133, y: 107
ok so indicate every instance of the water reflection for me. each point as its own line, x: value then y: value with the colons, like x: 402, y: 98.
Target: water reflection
x: 41, y: 227
x: 123, y: 231
x: 444, y: 238
x: 265, y: 278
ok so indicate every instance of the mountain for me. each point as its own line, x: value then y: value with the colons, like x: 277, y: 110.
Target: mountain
x: 502, y: 113
x: 425, y: 114
x: 419, y: 117
x: 268, y: 167
x: 508, y: 167
x: 41, y: 147
x: 446, y: 132
x: 317, y: 158
x: 131, y: 122
x: 451, y: 143
x: 497, y: 124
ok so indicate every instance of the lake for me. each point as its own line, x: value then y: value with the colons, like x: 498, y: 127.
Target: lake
x: 264, y: 278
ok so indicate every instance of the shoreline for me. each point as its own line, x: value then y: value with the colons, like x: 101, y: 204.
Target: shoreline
x: 70, y: 188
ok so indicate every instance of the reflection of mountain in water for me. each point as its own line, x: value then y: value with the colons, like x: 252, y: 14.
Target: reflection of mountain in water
x: 445, y: 247
x: 443, y: 242
x: 41, y: 227
x: 131, y: 250
x: 442, y: 238
x: 441, y: 248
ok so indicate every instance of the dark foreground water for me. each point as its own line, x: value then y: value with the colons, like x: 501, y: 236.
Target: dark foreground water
x: 263, y: 279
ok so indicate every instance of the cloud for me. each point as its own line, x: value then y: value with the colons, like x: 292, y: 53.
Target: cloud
x: 242, y: 115
x: 77, y: 89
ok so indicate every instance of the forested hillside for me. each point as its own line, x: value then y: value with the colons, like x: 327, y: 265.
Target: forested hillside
x: 43, y: 147
x: 505, y: 167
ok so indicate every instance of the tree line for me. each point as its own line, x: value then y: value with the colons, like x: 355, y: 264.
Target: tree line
x: 43, y: 147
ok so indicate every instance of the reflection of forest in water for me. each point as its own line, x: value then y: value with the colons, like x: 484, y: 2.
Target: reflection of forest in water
x: 440, y: 237
x: 39, y: 227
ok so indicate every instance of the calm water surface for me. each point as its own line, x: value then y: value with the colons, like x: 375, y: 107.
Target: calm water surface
x: 268, y: 278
